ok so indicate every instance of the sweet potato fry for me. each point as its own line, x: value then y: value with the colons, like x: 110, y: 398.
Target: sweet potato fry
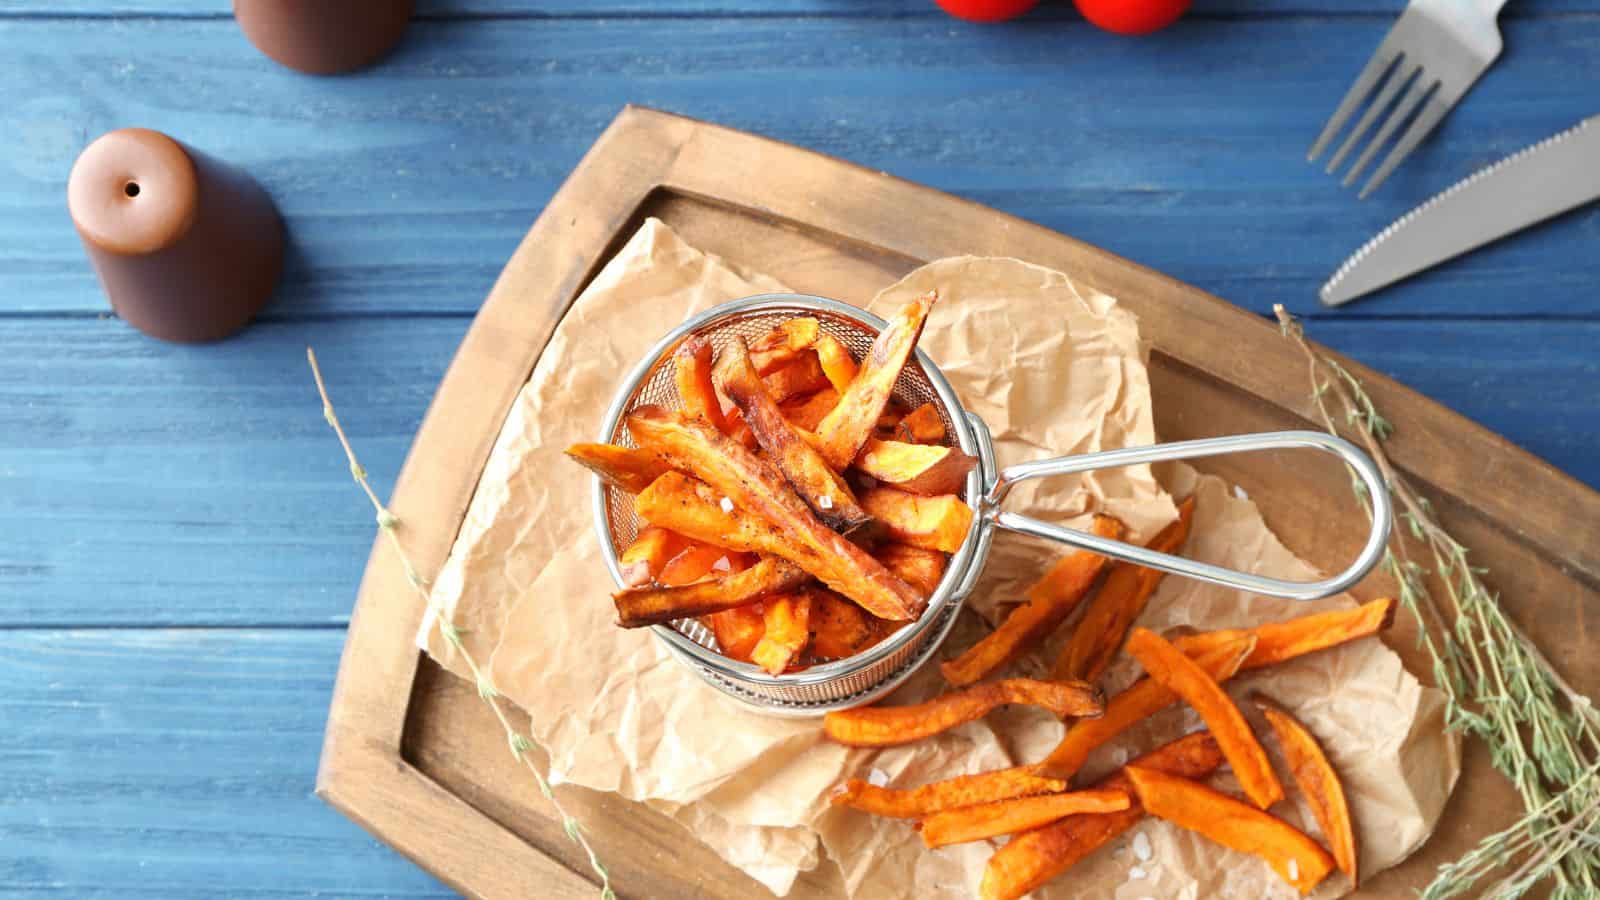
x: 850, y: 423
x: 921, y: 426
x: 951, y: 793
x: 649, y: 554
x: 935, y: 523
x: 1318, y: 782
x: 918, y: 468
x: 1144, y: 698
x: 919, y: 567
x: 738, y: 630
x: 1049, y: 602
x: 1034, y: 857
x: 698, y: 561
x: 1280, y: 641
x: 1180, y: 674
x: 796, y: 378
x: 1100, y: 633
x: 787, y: 618
x: 626, y: 468
x: 808, y: 473
x: 976, y: 823
x: 838, y: 366
x: 839, y: 628
x: 691, y: 372
x: 638, y: 607
x: 805, y: 412
x: 783, y: 343
x: 752, y: 484
x: 886, y: 726
x: 1189, y: 804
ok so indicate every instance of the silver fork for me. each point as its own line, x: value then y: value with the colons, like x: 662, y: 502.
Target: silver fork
x: 1425, y: 64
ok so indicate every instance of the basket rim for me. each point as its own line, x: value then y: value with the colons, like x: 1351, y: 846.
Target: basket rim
x: 956, y: 572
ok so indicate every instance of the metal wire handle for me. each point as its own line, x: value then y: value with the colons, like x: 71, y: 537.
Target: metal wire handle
x: 1011, y: 476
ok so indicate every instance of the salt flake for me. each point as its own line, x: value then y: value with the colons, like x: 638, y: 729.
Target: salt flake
x: 878, y: 777
x: 1141, y: 846
x: 825, y: 502
x: 727, y: 505
x: 1294, y: 870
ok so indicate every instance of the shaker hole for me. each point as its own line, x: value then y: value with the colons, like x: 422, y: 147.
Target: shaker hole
x: 131, y: 189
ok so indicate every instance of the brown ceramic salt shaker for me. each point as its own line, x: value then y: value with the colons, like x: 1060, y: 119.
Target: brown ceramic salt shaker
x: 188, y: 248
x: 323, y: 37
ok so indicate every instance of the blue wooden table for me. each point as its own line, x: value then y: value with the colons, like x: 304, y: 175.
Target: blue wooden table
x: 179, y: 540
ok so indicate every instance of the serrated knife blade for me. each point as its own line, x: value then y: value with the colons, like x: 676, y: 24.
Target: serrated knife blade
x: 1551, y: 177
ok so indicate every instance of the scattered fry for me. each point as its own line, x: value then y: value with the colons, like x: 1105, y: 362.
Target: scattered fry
x: 738, y: 630
x: 919, y: 567
x: 638, y: 607
x: 838, y: 366
x: 692, y: 374
x: 798, y: 377
x: 786, y: 619
x: 625, y: 468
x: 976, y: 823
x: 839, y: 628
x: 1169, y: 666
x: 918, y: 468
x: 805, y: 412
x: 1034, y: 857
x: 951, y: 793
x: 1277, y: 642
x: 850, y: 423
x: 921, y: 426
x: 1295, y: 857
x: 886, y: 726
x: 935, y: 523
x: 1318, y: 782
x: 783, y: 343
x: 649, y: 554
x: 1105, y: 623
x: 1143, y: 699
x: 1048, y: 604
x: 808, y: 473
x: 751, y: 483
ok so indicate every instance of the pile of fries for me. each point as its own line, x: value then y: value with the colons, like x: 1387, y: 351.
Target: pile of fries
x: 791, y: 503
x: 1051, y: 823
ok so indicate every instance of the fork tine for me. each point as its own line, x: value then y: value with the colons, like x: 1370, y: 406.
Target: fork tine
x: 1401, y: 77
x: 1414, y: 95
x: 1364, y: 83
x: 1426, y: 121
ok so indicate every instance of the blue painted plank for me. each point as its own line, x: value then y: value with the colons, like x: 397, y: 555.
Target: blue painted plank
x: 161, y: 764
x: 148, y: 484
x: 406, y: 187
x: 677, y: 8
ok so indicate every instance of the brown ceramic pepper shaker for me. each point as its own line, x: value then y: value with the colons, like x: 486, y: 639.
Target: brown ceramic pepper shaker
x: 187, y: 248
x: 323, y: 37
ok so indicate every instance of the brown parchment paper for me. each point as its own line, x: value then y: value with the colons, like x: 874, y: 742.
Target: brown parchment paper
x: 1053, y: 369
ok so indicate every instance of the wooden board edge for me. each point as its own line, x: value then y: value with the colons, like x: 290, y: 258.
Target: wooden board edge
x: 1211, y: 326
x: 550, y: 266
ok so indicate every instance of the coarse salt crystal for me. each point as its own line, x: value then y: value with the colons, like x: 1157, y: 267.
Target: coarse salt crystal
x: 1294, y: 870
x: 727, y: 505
x: 1239, y: 492
x: 825, y: 502
x: 878, y: 777
x: 1137, y: 872
x: 721, y: 565
x: 1141, y: 846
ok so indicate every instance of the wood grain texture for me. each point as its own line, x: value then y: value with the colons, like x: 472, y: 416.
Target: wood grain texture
x: 175, y: 763
x: 1189, y: 159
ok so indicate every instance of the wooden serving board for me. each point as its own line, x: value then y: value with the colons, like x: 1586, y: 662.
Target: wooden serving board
x: 414, y: 757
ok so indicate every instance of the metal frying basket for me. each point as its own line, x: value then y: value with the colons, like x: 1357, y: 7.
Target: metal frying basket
x: 862, y: 678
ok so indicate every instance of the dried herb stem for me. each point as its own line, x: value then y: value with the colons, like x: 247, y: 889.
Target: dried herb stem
x: 1542, y: 734
x: 519, y: 743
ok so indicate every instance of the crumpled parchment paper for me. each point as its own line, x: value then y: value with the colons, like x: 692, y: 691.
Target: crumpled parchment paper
x: 1053, y: 369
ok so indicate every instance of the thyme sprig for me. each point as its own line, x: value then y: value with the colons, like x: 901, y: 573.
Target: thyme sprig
x: 519, y: 743
x: 1542, y: 734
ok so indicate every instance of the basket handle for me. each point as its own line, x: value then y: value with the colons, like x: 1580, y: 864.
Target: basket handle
x: 1358, y: 461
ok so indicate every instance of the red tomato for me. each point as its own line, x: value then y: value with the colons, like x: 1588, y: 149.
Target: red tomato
x: 1132, y: 16
x: 986, y: 10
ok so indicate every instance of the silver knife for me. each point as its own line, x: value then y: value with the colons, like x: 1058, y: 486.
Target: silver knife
x: 1547, y: 179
